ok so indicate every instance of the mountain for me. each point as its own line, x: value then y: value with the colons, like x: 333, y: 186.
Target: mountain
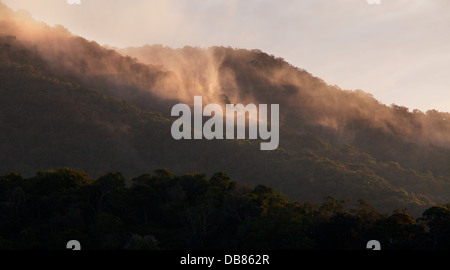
x: 69, y: 102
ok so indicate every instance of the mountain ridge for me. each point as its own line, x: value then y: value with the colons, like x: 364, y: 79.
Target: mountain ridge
x: 69, y: 102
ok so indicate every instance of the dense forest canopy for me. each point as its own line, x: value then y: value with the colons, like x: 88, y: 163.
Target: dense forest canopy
x: 163, y: 211
x: 69, y: 102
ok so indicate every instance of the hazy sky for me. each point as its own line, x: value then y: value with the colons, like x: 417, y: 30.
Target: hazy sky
x: 399, y: 51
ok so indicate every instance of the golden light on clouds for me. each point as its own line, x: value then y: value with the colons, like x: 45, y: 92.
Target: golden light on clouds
x: 398, y: 51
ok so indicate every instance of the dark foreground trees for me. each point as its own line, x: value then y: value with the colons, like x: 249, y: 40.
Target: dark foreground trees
x: 194, y: 212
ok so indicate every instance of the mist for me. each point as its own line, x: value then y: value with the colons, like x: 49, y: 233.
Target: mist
x: 300, y: 93
x: 397, y: 50
x: 160, y: 74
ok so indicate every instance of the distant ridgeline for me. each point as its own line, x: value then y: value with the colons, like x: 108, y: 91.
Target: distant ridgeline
x: 69, y: 102
x: 162, y: 211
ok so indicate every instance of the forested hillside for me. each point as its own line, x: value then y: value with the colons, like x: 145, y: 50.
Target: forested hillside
x: 69, y: 102
x: 162, y: 211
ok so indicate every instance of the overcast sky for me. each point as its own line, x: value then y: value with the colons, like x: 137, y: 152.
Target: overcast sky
x: 398, y: 51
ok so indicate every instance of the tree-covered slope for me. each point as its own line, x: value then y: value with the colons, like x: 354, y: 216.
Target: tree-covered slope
x: 163, y: 211
x: 68, y: 102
